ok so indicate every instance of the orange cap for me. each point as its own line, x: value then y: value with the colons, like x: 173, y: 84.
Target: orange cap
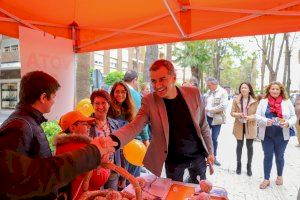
x: 71, y: 117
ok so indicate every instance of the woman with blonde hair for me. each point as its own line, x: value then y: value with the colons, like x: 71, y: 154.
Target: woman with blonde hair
x: 275, y: 116
x: 145, y: 89
x: 243, y: 110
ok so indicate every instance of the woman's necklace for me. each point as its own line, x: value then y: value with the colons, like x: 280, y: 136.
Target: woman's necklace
x: 101, y: 124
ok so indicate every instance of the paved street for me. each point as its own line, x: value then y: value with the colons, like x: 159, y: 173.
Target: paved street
x: 242, y: 187
x: 4, y: 115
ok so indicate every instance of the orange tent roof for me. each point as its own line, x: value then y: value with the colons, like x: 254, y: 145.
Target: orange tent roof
x: 98, y: 24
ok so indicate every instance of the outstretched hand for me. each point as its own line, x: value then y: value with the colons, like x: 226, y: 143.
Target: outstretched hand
x: 106, y: 146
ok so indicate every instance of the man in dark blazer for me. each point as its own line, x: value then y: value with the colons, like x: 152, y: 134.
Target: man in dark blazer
x: 180, y: 134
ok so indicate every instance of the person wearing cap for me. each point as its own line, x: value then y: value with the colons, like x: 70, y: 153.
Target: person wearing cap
x: 75, y: 135
x: 131, y: 80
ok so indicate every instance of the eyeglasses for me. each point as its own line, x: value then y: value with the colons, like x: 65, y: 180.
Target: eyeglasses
x: 123, y: 92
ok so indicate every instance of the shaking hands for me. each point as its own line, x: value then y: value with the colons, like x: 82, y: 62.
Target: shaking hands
x: 106, y: 146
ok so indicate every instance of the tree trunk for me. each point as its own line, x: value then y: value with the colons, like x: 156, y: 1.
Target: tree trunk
x: 169, y: 52
x: 263, y: 63
x: 150, y: 56
x: 287, y: 62
x: 253, y: 66
x: 216, y: 63
x: 272, y: 76
x: 217, y: 60
x: 137, y: 57
x: 83, y: 76
x: 270, y: 58
x: 201, y: 81
x: 195, y: 71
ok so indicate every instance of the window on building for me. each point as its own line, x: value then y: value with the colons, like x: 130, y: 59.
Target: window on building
x: 125, y: 56
x: 124, y: 66
x: 113, y: 63
x: 7, y: 49
x: 14, y: 48
x: 98, y: 58
x: 114, y: 53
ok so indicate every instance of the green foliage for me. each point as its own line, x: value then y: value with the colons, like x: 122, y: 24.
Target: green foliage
x: 51, y: 129
x: 113, y: 77
x: 233, y: 76
x: 193, y: 54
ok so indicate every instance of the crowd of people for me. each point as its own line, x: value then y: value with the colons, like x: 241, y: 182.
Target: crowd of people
x: 178, y: 125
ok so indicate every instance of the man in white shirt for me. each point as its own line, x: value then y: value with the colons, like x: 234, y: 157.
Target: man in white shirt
x: 216, y: 102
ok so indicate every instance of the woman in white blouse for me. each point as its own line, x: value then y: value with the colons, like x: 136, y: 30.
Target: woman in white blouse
x: 275, y: 116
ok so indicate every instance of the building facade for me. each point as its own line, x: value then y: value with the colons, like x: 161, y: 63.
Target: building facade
x: 10, y: 72
x: 106, y: 61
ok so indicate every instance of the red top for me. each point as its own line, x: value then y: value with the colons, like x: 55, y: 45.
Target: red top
x: 99, y: 177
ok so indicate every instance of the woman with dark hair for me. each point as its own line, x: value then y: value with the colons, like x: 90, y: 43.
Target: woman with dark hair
x: 275, y: 116
x: 105, y: 126
x: 243, y: 110
x: 122, y: 106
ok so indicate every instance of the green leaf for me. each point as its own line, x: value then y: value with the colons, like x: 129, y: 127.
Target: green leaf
x: 51, y: 129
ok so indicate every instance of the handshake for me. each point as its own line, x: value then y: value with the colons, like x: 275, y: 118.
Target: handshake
x: 106, y: 147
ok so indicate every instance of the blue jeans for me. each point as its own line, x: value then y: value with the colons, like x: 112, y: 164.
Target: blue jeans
x: 215, y: 131
x: 273, y: 143
x: 112, y: 181
x: 133, y: 170
x: 195, y: 168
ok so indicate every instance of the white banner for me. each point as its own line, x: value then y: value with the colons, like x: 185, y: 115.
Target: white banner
x: 55, y: 56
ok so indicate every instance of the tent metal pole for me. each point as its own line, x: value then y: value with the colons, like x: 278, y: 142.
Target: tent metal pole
x: 183, y: 35
x: 6, y: 19
x: 128, y: 28
x: 131, y: 31
x: 244, y: 11
x: 74, y: 28
x: 243, y: 19
x: 18, y: 19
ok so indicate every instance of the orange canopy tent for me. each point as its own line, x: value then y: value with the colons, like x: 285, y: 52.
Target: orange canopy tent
x: 97, y: 24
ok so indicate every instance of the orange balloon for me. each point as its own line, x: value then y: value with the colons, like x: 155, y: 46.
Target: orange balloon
x: 134, y: 152
x: 85, y: 107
